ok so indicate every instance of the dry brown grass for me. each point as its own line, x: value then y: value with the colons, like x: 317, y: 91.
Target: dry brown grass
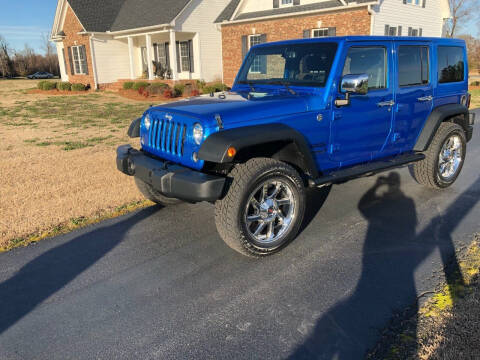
x: 57, y: 155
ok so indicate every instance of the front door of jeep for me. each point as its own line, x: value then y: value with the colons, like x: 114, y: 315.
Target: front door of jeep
x: 359, y: 130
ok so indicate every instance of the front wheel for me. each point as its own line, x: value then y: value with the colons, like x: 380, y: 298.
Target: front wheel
x: 263, y: 209
x: 444, y: 158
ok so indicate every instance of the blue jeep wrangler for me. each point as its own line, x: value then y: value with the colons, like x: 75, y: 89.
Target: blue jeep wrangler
x: 306, y: 113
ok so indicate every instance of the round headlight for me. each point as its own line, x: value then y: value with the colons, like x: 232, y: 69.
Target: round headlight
x: 147, y: 122
x: 198, y: 133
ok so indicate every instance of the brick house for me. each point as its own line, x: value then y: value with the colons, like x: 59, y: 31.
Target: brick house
x: 245, y: 23
x: 101, y: 42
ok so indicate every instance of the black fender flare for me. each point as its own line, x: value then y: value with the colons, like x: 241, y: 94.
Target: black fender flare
x: 134, y: 129
x: 216, y: 146
x: 437, y: 116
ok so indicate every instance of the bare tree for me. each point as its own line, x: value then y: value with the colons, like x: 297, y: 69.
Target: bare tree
x: 473, y: 49
x: 50, y: 54
x: 461, y: 11
x: 6, y: 63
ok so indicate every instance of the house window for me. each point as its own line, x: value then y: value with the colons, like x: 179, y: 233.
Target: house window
x: 286, y: 2
x: 184, y: 56
x: 257, y: 62
x: 79, y: 60
x: 316, y: 33
x: 162, y: 55
x: 413, y: 2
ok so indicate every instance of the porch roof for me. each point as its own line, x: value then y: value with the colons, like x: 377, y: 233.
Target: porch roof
x: 117, y: 15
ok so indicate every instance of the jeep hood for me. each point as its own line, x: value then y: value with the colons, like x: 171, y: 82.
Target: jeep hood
x: 236, y: 107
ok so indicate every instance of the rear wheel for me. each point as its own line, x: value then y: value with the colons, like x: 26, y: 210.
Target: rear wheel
x: 151, y: 194
x: 444, y: 158
x: 263, y: 209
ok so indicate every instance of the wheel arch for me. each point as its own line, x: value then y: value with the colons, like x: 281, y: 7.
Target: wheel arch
x: 456, y: 113
x: 277, y: 141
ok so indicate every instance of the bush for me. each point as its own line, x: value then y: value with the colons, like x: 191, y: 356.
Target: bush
x: 140, y: 84
x: 194, y: 92
x: 78, y: 87
x: 201, y: 84
x: 168, y: 94
x: 157, y: 88
x: 214, y: 87
x: 64, y: 86
x: 178, y: 90
x: 47, y: 85
x: 475, y: 83
x: 128, y: 85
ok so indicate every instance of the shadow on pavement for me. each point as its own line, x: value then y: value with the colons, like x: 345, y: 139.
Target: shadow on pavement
x: 51, y: 271
x: 392, y: 251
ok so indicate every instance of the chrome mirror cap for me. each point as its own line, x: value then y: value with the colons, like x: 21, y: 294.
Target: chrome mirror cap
x: 355, y: 84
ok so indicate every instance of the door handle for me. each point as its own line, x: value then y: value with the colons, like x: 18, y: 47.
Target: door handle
x: 386, y: 103
x: 425, y: 98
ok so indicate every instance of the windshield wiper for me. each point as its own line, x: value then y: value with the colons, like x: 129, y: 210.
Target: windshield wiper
x: 286, y: 84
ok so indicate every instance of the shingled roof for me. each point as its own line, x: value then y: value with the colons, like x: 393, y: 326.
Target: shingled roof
x: 228, y: 12
x: 116, y: 15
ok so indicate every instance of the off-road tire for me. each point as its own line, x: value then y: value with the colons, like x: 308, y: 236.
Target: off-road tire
x: 426, y: 172
x: 154, y: 195
x: 230, y: 211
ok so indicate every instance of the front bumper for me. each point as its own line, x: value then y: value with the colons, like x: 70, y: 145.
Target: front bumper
x: 171, y: 180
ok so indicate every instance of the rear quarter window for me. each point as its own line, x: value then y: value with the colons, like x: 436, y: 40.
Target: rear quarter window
x: 451, y: 64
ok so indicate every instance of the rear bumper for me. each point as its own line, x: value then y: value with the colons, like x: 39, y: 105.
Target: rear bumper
x: 170, y: 179
x: 471, y: 122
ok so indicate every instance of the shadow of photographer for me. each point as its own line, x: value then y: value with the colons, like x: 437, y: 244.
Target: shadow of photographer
x: 392, y: 251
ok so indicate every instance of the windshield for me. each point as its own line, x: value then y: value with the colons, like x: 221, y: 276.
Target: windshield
x: 306, y: 64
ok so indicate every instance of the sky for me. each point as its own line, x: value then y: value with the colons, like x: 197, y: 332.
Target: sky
x: 25, y: 21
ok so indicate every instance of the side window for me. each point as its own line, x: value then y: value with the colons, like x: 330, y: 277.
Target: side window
x: 450, y: 64
x: 368, y: 60
x: 413, y: 65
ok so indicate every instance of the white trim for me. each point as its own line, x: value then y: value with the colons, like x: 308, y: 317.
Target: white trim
x: 79, y: 60
x: 131, y: 56
x: 173, y: 22
x: 236, y: 10
x: 318, y: 29
x: 148, y: 40
x: 94, y: 63
x: 372, y: 18
x: 173, y: 55
x: 146, y: 28
x: 140, y: 34
x: 280, y: 5
x: 300, y: 13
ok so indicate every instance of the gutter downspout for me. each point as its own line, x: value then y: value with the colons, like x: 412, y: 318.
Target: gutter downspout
x: 372, y: 19
x: 94, y: 63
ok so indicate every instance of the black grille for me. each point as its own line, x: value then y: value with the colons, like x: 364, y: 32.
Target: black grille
x: 168, y: 136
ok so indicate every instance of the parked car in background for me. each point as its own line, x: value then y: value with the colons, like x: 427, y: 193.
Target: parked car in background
x: 41, y: 75
x: 306, y: 113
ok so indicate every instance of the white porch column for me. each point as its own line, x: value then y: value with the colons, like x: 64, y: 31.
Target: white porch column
x: 132, y: 58
x: 149, y: 56
x: 173, y: 55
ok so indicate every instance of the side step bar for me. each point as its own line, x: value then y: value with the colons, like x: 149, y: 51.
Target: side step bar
x: 367, y: 169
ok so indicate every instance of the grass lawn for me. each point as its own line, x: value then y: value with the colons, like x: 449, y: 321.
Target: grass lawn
x: 57, y: 155
x: 475, y: 99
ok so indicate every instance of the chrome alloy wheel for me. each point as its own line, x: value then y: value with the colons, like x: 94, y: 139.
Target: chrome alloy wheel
x: 270, y: 211
x: 450, y: 157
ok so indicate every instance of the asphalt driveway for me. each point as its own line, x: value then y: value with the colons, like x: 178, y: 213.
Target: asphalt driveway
x: 160, y: 283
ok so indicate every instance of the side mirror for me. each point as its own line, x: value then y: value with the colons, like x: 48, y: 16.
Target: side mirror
x: 352, y: 84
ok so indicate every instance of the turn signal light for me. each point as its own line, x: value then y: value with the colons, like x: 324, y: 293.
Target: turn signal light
x: 231, y: 152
